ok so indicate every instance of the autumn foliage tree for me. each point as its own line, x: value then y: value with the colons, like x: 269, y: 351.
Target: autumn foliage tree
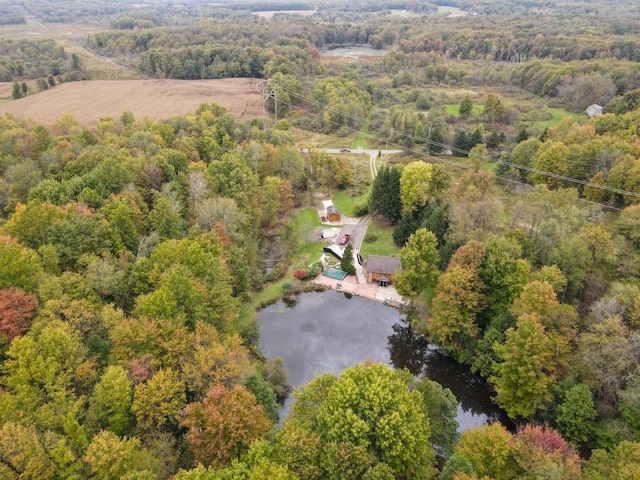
x: 526, y: 370
x: 542, y: 453
x: 458, y: 301
x: 367, y: 418
x: 419, y: 262
x: 223, y: 425
x: 17, y: 308
x: 490, y: 451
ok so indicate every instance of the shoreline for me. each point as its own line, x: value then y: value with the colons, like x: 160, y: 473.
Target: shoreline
x: 370, y: 291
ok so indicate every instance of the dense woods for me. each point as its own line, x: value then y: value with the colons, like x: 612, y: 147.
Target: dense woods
x: 31, y: 59
x: 130, y: 249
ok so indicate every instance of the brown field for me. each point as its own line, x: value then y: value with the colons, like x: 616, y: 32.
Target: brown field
x: 87, y: 101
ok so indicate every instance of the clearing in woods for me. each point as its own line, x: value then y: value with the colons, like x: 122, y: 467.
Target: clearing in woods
x: 88, y: 101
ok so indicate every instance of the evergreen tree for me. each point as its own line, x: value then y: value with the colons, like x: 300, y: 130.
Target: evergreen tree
x: 408, y: 143
x: 16, y: 91
x: 522, y: 135
x: 407, y: 225
x: 435, y: 218
x: 493, y: 109
x: 476, y: 137
x: 385, y: 194
x: 466, y: 106
x: 493, y: 141
x: 436, y: 140
x: 461, y: 143
x: 419, y: 135
x: 346, y: 264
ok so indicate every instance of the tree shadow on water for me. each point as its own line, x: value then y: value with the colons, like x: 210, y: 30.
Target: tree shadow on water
x: 413, y: 352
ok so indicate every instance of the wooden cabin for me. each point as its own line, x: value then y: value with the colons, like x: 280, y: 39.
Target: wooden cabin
x: 381, y: 269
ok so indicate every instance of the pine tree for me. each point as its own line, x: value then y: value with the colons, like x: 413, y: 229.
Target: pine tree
x: 436, y: 140
x: 346, y: 264
x: 418, y: 132
x: 461, y: 143
x: 16, y: 91
x: 493, y: 141
x: 522, y: 135
x: 385, y: 194
x: 466, y: 106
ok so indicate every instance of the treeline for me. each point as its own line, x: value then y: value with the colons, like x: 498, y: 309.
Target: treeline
x: 245, y: 32
x: 580, y: 83
x: 9, y: 16
x: 31, y: 59
x: 419, y: 58
x: 507, y: 38
x: 536, y: 7
x: 64, y: 11
x: 130, y: 22
x: 211, y: 61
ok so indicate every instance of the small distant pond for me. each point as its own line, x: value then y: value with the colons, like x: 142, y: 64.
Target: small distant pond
x: 328, y: 332
x: 353, y: 51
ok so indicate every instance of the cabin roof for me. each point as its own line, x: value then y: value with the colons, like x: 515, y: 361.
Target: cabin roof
x: 383, y: 264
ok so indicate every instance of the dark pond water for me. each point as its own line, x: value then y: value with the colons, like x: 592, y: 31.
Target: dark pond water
x: 328, y: 331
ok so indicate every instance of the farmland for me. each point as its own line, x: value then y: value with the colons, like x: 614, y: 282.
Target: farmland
x: 87, y: 101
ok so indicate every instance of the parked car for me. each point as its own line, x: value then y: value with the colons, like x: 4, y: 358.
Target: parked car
x: 345, y: 150
x: 345, y: 239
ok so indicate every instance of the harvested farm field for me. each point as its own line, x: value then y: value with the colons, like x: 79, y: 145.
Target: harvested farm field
x: 89, y: 100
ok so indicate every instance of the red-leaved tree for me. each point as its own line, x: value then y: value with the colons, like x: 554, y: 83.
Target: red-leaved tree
x: 540, y: 450
x: 224, y: 424
x: 17, y: 308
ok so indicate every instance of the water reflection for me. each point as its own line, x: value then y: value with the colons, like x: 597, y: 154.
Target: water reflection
x: 328, y: 331
x: 413, y: 352
x: 406, y: 349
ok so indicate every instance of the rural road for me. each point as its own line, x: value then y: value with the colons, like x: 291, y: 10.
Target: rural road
x: 373, y: 155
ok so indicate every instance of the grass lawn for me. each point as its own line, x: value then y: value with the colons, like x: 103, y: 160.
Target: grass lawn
x: 309, y: 244
x: 557, y: 114
x: 309, y: 249
x: 363, y: 136
x: 454, y: 109
x: 383, y: 245
x: 346, y: 203
x: 477, y: 163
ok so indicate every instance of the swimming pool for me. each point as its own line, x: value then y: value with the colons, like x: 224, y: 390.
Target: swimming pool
x: 334, y: 273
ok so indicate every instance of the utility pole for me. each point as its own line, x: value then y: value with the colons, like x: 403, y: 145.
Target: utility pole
x: 271, y: 93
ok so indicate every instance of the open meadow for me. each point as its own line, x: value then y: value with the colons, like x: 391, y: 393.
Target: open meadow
x: 88, y: 101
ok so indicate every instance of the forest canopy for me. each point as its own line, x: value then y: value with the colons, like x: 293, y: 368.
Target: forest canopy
x: 135, y: 251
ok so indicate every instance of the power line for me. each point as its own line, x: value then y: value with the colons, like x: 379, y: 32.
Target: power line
x: 431, y: 157
x: 358, y: 119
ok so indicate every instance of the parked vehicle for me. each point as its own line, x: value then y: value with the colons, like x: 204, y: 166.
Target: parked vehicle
x: 345, y: 239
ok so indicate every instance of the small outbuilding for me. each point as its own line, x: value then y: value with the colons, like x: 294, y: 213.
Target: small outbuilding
x: 593, y: 111
x: 333, y: 215
x: 330, y: 212
x: 381, y: 269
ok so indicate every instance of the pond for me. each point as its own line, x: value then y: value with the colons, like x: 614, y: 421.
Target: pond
x: 328, y: 331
